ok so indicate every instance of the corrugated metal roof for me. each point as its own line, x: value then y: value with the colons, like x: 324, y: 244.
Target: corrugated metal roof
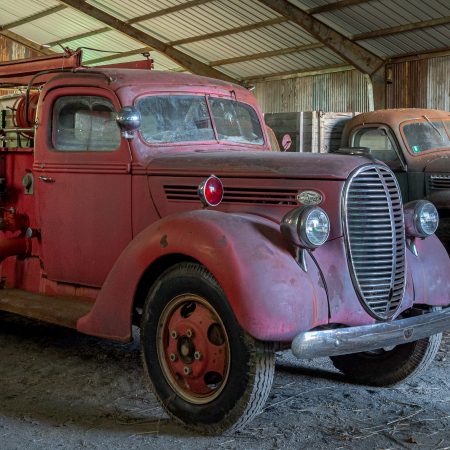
x: 200, y: 18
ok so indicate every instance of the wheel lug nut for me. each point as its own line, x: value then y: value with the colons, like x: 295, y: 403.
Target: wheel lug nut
x: 197, y: 355
x: 173, y: 357
x: 174, y: 334
x: 187, y: 370
x: 189, y: 333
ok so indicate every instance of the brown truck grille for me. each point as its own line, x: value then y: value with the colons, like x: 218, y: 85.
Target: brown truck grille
x: 438, y: 182
x: 267, y: 196
x: 375, y: 238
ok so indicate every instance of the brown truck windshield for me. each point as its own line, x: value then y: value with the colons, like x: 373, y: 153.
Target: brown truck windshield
x: 428, y: 134
x: 186, y: 118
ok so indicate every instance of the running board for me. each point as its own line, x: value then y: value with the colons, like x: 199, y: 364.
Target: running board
x: 64, y: 311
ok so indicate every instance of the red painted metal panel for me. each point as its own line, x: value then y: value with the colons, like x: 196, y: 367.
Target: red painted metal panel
x: 272, y: 297
x: 85, y: 214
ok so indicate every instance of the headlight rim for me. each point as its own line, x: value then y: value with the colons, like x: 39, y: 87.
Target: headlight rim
x: 293, y: 226
x: 412, y: 214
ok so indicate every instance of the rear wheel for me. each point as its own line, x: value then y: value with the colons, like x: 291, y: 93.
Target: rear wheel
x: 386, y: 367
x: 205, y: 370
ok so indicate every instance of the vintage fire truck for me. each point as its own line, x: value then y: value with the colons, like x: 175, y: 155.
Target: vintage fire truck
x: 131, y: 197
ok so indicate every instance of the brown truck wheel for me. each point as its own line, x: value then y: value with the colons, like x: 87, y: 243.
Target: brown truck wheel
x: 388, y: 367
x: 205, y: 370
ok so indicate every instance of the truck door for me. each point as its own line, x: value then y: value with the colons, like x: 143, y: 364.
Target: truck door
x: 83, y: 185
x: 383, y: 147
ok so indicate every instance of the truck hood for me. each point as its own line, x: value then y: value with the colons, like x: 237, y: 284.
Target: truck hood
x: 438, y: 163
x: 256, y: 165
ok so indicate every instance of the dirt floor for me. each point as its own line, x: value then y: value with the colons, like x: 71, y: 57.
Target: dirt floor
x: 60, y: 389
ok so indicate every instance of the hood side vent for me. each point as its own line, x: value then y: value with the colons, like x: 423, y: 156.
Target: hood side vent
x: 438, y: 182
x: 265, y: 196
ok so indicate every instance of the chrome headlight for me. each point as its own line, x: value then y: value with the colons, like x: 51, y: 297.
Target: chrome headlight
x: 421, y: 219
x: 307, y: 226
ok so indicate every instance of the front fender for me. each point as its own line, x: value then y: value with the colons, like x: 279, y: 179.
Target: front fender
x: 271, y: 296
x: 430, y: 271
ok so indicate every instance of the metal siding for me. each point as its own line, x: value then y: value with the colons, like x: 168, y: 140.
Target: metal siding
x: 438, y: 85
x: 338, y: 92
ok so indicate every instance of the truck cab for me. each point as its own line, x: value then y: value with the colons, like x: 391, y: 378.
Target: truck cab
x: 152, y: 199
x: 415, y: 144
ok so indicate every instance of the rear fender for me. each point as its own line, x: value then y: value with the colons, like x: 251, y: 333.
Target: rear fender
x: 271, y: 296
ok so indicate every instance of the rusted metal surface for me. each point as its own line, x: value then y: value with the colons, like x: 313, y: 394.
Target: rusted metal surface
x: 18, y: 71
x: 333, y: 92
x: 64, y: 311
x: 123, y: 239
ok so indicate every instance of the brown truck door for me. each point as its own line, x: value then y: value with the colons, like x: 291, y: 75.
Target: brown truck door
x: 383, y: 147
x: 83, y: 185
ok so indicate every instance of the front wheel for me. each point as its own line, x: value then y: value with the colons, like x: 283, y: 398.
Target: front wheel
x: 386, y: 367
x: 205, y: 370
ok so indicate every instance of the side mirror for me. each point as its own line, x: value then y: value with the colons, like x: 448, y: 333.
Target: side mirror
x: 129, y: 120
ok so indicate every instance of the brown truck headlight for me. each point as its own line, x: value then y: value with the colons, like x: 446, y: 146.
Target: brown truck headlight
x: 307, y: 226
x: 421, y: 219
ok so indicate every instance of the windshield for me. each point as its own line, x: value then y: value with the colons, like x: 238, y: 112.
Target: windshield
x: 186, y: 118
x: 427, y: 134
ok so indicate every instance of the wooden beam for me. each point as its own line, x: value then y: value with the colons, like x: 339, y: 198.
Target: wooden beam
x: 78, y: 36
x: 186, y: 61
x: 138, y: 51
x: 152, y: 15
x: 402, y: 28
x: 351, y: 52
x: 269, y: 54
x: 170, y: 10
x: 296, y: 73
x: 26, y: 42
x: 33, y: 17
x: 335, y: 6
x: 241, y: 29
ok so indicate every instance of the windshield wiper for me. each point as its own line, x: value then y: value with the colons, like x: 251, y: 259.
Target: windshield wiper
x: 433, y: 125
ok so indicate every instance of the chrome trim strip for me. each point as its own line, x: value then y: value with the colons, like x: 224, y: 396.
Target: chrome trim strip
x: 343, y: 341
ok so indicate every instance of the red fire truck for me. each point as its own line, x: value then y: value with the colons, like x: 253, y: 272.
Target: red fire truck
x: 131, y: 197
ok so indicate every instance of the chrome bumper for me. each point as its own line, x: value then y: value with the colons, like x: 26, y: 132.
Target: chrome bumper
x: 342, y: 341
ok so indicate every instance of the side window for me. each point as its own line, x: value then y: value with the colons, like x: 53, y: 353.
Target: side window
x: 378, y: 141
x: 84, y: 123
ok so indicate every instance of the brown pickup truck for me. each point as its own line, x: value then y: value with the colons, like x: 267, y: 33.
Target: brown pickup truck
x: 415, y: 144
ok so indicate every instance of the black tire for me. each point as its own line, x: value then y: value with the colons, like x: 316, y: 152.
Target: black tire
x: 389, y: 367
x: 187, y: 321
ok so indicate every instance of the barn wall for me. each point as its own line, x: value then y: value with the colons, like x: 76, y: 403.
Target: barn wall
x: 338, y: 92
x: 419, y: 83
x: 10, y: 50
x: 422, y: 82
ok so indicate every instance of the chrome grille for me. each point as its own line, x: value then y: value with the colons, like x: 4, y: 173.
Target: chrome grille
x: 375, y: 239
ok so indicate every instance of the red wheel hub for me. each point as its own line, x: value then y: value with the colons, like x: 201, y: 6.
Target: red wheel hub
x: 194, y: 348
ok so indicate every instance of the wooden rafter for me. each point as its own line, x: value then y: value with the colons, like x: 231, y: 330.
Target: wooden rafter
x: 335, y: 6
x: 303, y: 72
x: 134, y: 20
x: 33, y: 17
x: 269, y: 54
x: 402, y: 28
x: 230, y: 31
x: 351, y: 52
x: 138, y: 51
x: 26, y: 42
x: 184, y: 60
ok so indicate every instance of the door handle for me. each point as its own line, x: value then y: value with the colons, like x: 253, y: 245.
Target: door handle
x: 46, y: 179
